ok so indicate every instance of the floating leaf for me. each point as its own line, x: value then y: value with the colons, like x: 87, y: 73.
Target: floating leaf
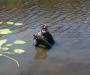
x: 1, y: 22
x: 19, y: 42
x: 9, y: 44
x: 4, y: 48
x: 19, y: 51
x: 1, y: 54
x: 8, y: 52
x: 5, y: 31
x: 9, y: 22
x: 18, y: 24
x: 2, y: 42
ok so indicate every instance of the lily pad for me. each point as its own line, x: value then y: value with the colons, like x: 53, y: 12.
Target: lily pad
x: 5, y: 31
x: 19, y: 42
x: 19, y: 51
x: 18, y: 24
x: 4, y: 48
x: 1, y: 54
x: 9, y: 22
x: 2, y: 42
x: 1, y: 22
x: 9, y: 44
x: 8, y: 52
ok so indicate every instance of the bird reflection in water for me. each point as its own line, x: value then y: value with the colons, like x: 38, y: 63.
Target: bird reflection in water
x: 41, y: 53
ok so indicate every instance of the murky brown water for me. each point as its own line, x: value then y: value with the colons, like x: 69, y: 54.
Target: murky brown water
x: 69, y: 23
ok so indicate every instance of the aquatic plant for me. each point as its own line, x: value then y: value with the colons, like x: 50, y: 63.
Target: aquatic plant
x: 1, y: 22
x: 1, y: 54
x: 2, y: 42
x: 19, y: 51
x: 5, y: 31
x: 12, y: 23
x: 9, y: 44
x: 4, y: 50
x: 19, y: 42
x: 10, y: 58
x: 9, y: 22
x: 18, y: 24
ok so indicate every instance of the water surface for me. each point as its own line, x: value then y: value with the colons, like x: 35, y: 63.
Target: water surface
x: 68, y: 22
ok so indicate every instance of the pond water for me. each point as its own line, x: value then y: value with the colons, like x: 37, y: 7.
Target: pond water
x: 69, y: 23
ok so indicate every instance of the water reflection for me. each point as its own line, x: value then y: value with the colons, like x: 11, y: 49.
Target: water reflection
x: 40, y: 53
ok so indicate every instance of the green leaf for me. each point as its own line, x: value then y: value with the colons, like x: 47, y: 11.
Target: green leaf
x: 1, y: 54
x: 1, y: 22
x: 8, y: 52
x: 18, y: 24
x: 19, y: 42
x: 9, y: 22
x: 9, y: 44
x: 5, y: 31
x: 4, y: 48
x: 19, y: 51
x: 2, y: 42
